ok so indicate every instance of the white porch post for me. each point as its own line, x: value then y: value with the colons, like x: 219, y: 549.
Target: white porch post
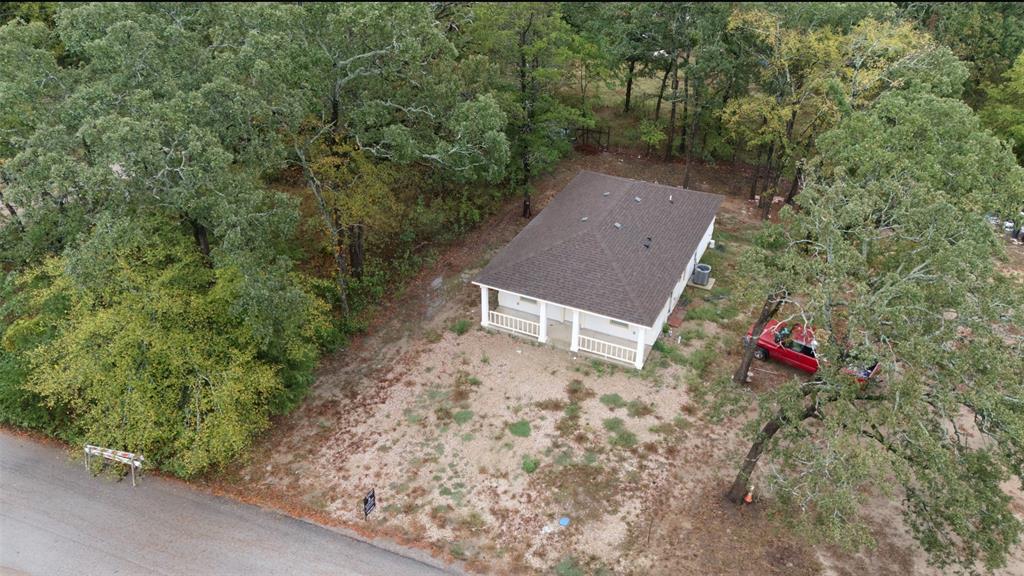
x: 543, y: 337
x: 639, y: 347
x: 574, y: 343
x: 485, y: 306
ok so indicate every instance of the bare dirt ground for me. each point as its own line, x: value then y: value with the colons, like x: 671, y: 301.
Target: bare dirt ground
x: 478, y: 442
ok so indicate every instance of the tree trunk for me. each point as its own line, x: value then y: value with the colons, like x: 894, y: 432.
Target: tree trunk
x: 526, y: 94
x: 771, y: 307
x: 741, y: 485
x: 757, y: 174
x: 692, y: 135
x: 769, y: 198
x: 672, y: 114
x: 629, y: 85
x: 12, y: 211
x: 768, y: 171
x: 686, y: 103
x: 338, y: 235
x: 330, y: 219
x: 796, y: 183
x: 355, y: 249
x: 661, y: 93
x: 201, y: 235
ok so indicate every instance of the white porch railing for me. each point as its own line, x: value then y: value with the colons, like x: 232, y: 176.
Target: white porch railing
x: 607, y: 349
x: 514, y: 324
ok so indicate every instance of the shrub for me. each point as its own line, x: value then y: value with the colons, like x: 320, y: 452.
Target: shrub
x: 461, y: 326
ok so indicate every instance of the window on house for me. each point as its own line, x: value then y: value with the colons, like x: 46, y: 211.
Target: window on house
x: 619, y: 324
x: 524, y: 299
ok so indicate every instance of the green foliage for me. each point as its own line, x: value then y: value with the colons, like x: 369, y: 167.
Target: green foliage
x: 520, y: 428
x: 569, y: 567
x: 154, y: 354
x: 530, y: 464
x: 1003, y: 112
x: 612, y: 401
x: 462, y: 416
x: 621, y: 437
x: 639, y: 408
x: 461, y: 326
x: 893, y: 261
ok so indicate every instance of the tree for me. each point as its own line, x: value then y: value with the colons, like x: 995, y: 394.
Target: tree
x: 987, y: 36
x: 529, y: 45
x: 1004, y: 107
x: 890, y: 260
x: 810, y: 77
x: 158, y: 289
x: 386, y: 79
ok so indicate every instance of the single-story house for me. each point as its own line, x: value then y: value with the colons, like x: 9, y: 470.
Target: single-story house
x: 601, y: 267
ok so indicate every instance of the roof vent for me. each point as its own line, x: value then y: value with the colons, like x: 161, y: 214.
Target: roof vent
x: 647, y: 243
x: 584, y: 219
x: 637, y: 198
x: 605, y: 193
x: 617, y: 225
x: 670, y: 198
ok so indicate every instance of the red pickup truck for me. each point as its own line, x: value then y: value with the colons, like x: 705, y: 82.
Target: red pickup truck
x: 790, y: 345
x: 795, y: 346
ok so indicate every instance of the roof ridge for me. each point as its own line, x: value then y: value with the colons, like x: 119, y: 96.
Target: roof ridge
x: 548, y: 248
x: 628, y: 287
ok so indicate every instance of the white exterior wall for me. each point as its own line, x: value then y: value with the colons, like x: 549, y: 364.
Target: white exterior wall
x: 601, y: 324
x: 654, y: 331
x: 521, y: 303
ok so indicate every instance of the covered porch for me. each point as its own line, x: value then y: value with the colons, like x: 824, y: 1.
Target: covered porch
x: 565, y: 328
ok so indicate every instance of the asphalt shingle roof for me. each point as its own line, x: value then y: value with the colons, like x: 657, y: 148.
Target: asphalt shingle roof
x: 573, y: 254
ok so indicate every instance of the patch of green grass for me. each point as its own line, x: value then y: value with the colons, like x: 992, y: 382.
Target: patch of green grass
x: 620, y: 437
x: 551, y: 404
x: 693, y: 333
x: 564, y: 457
x: 613, y: 401
x: 461, y: 326
x: 614, y: 425
x: 639, y: 408
x: 577, y: 391
x: 569, y: 567
x: 669, y: 351
x: 473, y: 381
x: 412, y: 417
x: 702, y: 358
x: 432, y: 336
x: 571, y: 421
x: 462, y: 416
x: 520, y: 428
x: 712, y: 313
x: 458, y: 550
x: 485, y: 359
x: 530, y: 464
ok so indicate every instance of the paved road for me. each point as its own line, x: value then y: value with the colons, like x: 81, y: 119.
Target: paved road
x: 56, y: 519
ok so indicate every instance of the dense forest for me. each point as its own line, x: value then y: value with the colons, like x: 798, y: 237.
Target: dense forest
x: 200, y: 200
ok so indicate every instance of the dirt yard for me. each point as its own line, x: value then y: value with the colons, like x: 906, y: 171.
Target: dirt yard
x: 477, y: 442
